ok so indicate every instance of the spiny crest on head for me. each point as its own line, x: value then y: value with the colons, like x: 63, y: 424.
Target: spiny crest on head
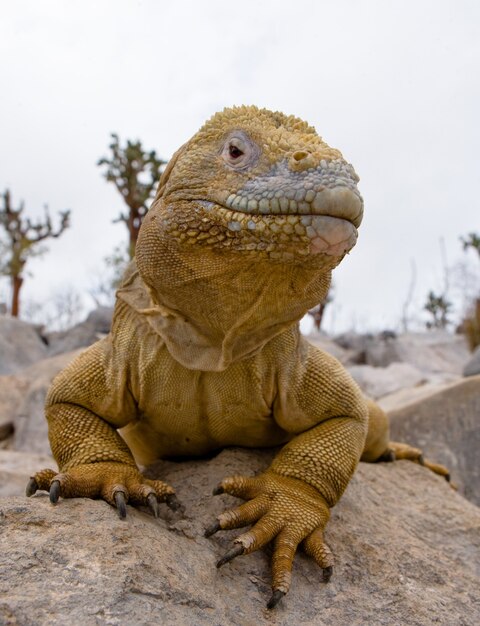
x: 252, y: 116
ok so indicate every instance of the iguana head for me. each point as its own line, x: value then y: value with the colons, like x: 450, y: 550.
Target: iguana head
x: 254, y: 181
x: 250, y: 217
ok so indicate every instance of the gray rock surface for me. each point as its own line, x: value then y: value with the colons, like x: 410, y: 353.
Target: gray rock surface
x: 22, y: 398
x: 472, y: 368
x: 322, y: 341
x: 20, y: 345
x: 380, y: 381
x: 446, y: 426
x: 355, y: 344
x: 433, y: 351
x: 17, y: 467
x: 429, y: 352
x: 406, y: 548
x: 12, y: 389
x: 82, y: 335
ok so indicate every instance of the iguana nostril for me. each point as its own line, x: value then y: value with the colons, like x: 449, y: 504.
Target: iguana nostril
x: 302, y: 160
x: 299, y: 155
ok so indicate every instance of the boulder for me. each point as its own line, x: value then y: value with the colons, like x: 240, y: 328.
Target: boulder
x: 355, y: 344
x: 446, y: 426
x: 20, y: 345
x: 322, y: 341
x: 472, y: 368
x: 433, y: 351
x: 22, y: 402
x: 82, y: 335
x: 12, y: 391
x: 377, y: 381
x: 406, y: 549
x: 17, y: 467
x: 400, y: 398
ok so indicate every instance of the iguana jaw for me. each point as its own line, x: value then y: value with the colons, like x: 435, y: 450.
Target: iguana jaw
x: 281, y: 235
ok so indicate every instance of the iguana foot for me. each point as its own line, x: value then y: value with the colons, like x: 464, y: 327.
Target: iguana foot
x: 116, y: 483
x: 398, y: 451
x: 284, y: 510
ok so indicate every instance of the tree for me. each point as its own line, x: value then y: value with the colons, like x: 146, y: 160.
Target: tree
x: 471, y: 323
x: 471, y: 241
x: 135, y: 174
x: 108, y: 281
x: 318, y: 311
x: 438, y: 307
x: 23, y: 237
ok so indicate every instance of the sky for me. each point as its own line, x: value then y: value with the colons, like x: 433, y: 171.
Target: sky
x: 395, y: 85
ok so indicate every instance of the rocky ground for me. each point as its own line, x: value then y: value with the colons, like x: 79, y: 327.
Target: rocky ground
x: 407, y: 545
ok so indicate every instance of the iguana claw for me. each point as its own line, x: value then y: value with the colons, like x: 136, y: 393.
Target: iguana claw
x: 153, y: 504
x: 54, y: 491
x: 173, y: 502
x: 277, y: 595
x: 327, y: 573
x: 237, y: 550
x: 212, y: 529
x: 32, y: 487
x: 121, y: 504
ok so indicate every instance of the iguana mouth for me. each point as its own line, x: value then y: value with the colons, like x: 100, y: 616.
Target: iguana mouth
x: 328, y: 234
x: 328, y: 190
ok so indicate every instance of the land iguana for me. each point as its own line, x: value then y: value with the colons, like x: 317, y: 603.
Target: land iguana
x: 251, y: 216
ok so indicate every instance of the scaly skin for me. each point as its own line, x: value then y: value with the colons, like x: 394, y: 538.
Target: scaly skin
x: 251, y: 216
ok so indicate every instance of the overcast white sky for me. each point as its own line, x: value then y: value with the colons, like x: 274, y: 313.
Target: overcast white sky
x: 395, y: 85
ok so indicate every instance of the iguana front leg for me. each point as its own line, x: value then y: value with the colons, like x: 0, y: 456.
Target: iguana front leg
x: 94, y: 460
x: 289, y: 503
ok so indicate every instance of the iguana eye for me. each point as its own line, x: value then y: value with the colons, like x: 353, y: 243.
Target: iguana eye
x: 234, y: 151
x: 239, y: 151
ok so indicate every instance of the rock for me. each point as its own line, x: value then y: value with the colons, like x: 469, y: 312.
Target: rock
x: 6, y: 430
x: 377, y: 382
x: 445, y: 425
x: 22, y: 402
x: 12, y: 390
x: 17, y: 467
x: 405, y: 545
x: 20, y: 345
x: 82, y: 335
x: 472, y: 368
x: 320, y: 340
x: 101, y: 319
x: 434, y: 351
x: 356, y: 346
x: 402, y: 397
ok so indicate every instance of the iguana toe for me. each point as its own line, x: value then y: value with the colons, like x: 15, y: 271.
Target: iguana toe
x: 41, y: 480
x: 407, y: 452
x: 318, y: 550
